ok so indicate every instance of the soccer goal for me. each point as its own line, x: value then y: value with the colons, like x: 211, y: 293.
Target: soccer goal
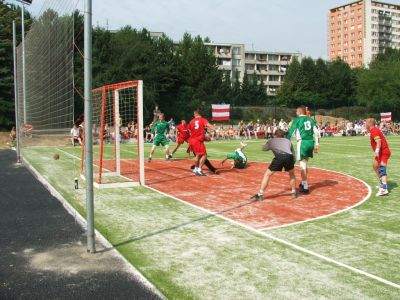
x: 117, y: 132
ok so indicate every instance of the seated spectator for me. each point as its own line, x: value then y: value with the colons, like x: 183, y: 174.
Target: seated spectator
x: 27, y: 130
x: 13, y: 135
x: 250, y: 129
x: 75, y: 135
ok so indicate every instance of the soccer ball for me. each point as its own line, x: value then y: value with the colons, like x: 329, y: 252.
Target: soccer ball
x: 56, y: 156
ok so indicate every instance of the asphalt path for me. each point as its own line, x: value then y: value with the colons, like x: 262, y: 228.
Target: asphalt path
x: 43, y: 248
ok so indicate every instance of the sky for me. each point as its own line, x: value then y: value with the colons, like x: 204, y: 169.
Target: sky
x: 271, y: 25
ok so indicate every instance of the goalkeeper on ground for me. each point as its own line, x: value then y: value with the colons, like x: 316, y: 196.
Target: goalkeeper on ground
x: 160, y: 128
x: 239, y: 159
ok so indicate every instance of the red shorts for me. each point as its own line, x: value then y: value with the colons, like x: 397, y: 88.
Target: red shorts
x: 383, y: 157
x: 197, y: 147
x: 181, y: 141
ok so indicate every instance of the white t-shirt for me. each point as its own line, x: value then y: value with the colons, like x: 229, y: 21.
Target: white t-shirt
x: 75, y: 132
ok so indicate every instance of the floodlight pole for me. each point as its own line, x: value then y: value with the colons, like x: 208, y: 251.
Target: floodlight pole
x: 16, y: 93
x: 88, y: 127
x: 23, y: 60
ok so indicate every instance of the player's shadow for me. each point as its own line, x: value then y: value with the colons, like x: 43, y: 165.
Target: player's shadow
x: 392, y: 185
x: 161, y: 231
x: 323, y: 184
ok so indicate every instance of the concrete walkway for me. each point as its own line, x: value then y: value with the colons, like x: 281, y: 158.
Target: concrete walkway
x: 43, y: 249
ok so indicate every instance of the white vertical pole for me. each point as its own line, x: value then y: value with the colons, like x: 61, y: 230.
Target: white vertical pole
x: 23, y: 61
x: 88, y: 127
x: 140, y: 133
x: 117, y: 135
x: 16, y: 92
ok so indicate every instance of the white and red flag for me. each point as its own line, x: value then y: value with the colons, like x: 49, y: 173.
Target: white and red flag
x: 386, y: 116
x: 221, y: 112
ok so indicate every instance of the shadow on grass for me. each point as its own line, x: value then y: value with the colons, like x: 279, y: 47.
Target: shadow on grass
x: 209, y: 216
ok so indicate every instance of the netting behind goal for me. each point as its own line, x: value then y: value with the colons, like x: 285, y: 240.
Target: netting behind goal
x: 117, y: 131
x: 45, y: 75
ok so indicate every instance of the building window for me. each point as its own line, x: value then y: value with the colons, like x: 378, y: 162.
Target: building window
x: 235, y: 62
x: 236, y: 50
x: 360, y: 33
x: 339, y: 23
x: 352, y: 27
x: 359, y: 41
x: 360, y: 48
x: 353, y: 34
x: 359, y: 55
x: 353, y: 42
x: 359, y: 18
x: 359, y: 26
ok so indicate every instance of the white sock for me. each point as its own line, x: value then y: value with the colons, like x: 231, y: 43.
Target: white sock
x: 305, y: 184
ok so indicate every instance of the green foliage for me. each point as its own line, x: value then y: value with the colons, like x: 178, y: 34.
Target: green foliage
x: 379, y: 87
x: 8, y: 13
x: 317, y: 84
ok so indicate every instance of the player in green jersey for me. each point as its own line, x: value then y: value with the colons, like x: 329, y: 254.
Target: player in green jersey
x: 160, y: 128
x: 307, y: 136
x: 239, y: 159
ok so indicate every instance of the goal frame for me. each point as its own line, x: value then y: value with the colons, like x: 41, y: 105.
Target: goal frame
x: 115, y: 89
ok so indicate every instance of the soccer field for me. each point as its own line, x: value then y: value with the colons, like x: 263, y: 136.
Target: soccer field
x: 189, y: 251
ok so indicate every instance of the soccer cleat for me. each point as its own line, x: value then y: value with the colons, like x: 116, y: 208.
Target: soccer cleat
x: 149, y: 160
x: 243, y: 144
x: 382, y: 192
x: 257, y: 197
x: 294, y: 195
x: 303, y: 190
x: 170, y: 157
x: 200, y: 173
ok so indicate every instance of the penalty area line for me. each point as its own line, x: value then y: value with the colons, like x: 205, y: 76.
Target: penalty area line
x: 284, y: 242
x: 331, y: 214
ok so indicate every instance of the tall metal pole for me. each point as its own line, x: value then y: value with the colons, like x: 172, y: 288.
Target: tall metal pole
x: 23, y: 60
x: 88, y: 127
x: 16, y: 92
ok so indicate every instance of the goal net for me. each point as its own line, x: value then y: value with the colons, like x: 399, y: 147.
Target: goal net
x: 117, y: 132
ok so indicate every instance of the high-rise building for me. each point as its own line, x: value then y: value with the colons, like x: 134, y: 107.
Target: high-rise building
x: 360, y: 30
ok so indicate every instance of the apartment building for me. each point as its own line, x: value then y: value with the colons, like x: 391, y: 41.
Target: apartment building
x: 360, y: 30
x: 269, y: 67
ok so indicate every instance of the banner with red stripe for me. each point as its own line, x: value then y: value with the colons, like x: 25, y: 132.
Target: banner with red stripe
x: 387, y: 116
x: 220, y: 112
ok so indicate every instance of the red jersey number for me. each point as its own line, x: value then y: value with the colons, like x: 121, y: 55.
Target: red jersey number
x: 197, y: 127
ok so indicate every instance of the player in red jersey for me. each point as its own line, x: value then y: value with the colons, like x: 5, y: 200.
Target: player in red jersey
x: 196, y: 128
x: 382, y: 154
x: 182, y: 133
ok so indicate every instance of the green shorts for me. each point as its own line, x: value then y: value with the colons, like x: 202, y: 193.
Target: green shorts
x: 305, y: 149
x: 160, y: 140
x: 239, y: 158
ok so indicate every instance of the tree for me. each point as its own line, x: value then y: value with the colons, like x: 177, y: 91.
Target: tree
x: 341, y: 89
x: 294, y: 88
x: 8, y: 13
x: 379, y: 86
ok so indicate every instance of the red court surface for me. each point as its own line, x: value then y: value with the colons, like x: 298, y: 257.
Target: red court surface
x: 228, y: 193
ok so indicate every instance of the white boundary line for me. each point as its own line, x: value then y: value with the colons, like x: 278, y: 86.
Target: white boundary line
x: 331, y: 214
x: 99, y: 237
x: 284, y: 242
x: 270, y: 236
